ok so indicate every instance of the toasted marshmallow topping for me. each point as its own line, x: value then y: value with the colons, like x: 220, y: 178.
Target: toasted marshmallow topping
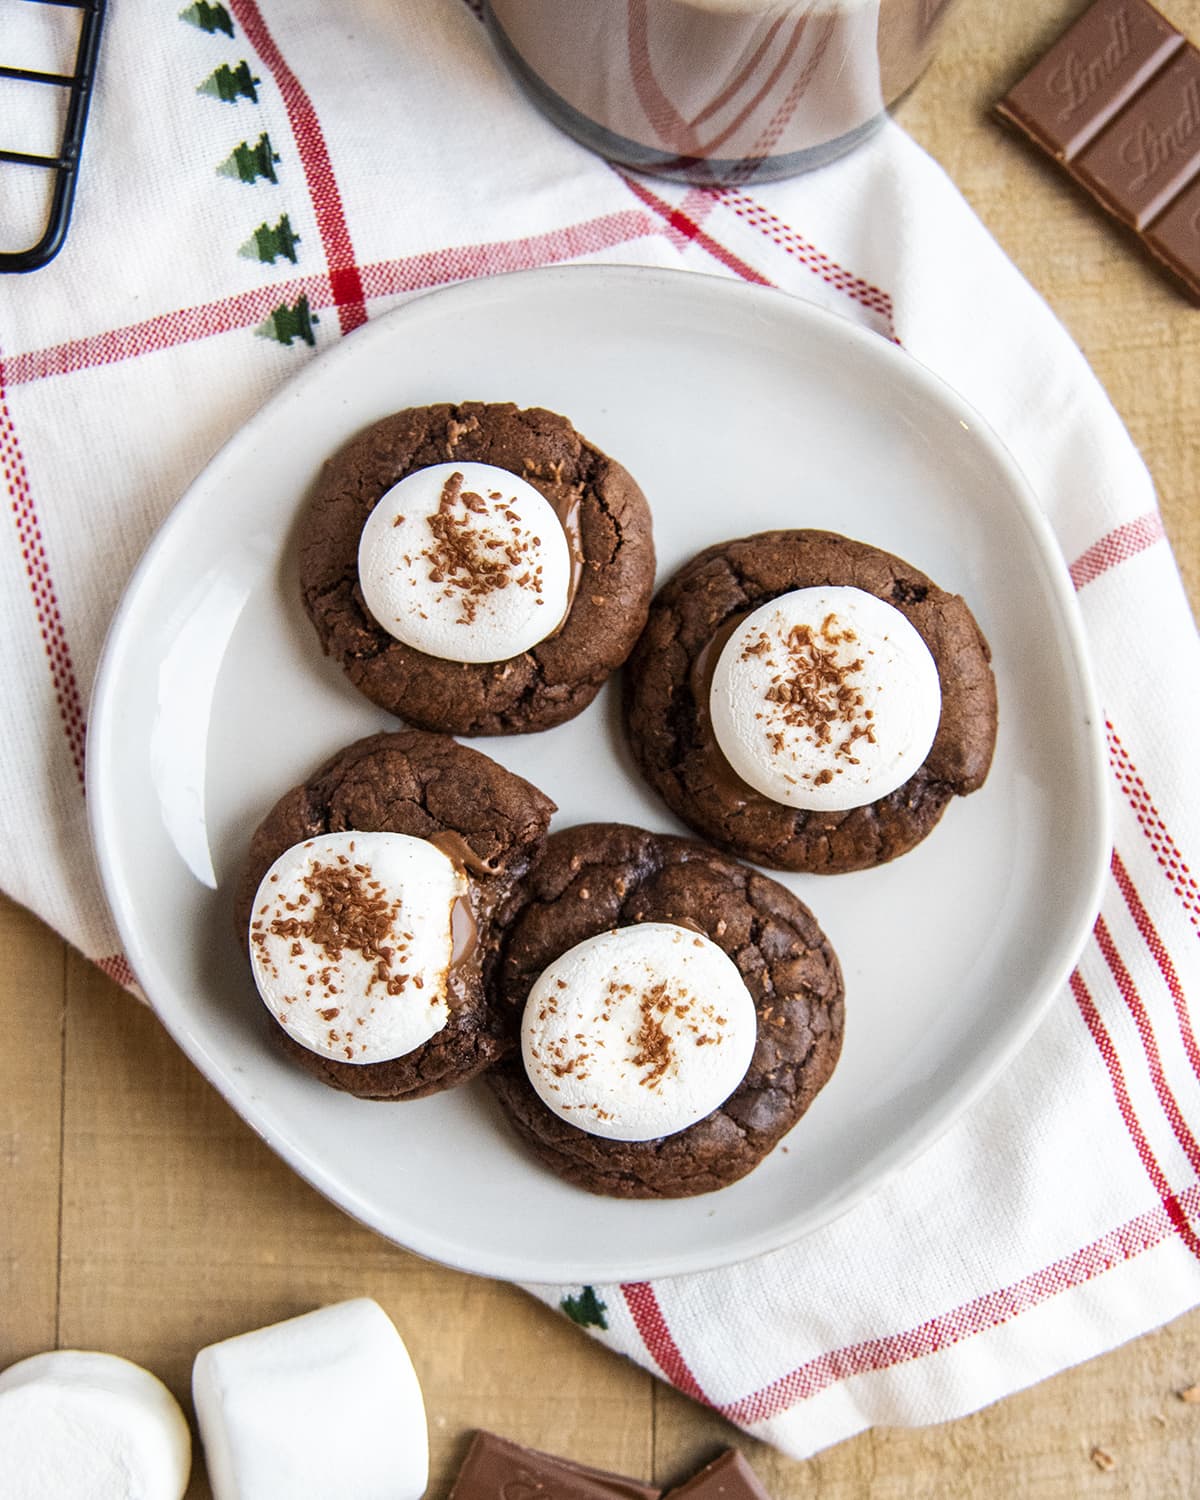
x: 351, y: 942
x: 466, y: 562
x: 638, y: 1033
x: 825, y: 698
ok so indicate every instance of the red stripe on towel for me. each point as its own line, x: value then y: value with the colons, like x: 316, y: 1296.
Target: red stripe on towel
x: 344, y: 277
x: 1162, y: 958
x: 685, y: 227
x: 383, y: 279
x: 1141, y: 1020
x: 650, y: 1323
x: 991, y: 1310
x: 1158, y: 836
x: 824, y: 266
x: 41, y: 584
x: 1122, y: 542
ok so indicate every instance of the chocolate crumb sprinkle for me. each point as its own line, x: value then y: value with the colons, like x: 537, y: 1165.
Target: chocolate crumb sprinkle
x: 472, y: 561
x: 655, y: 1050
x: 352, y: 912
x: 814, y: 691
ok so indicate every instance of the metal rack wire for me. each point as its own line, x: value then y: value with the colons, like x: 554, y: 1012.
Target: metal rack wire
x: 64, y: 165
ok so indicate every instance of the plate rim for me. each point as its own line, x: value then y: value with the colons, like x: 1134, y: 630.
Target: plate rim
x: 102, y: 811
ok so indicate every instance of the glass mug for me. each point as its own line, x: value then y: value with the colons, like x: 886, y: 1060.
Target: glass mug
x: 717, y: 92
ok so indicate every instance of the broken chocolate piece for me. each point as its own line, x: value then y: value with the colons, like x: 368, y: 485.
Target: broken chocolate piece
x: 728, y: 1477
x: 1116, y: 104
x: 496, y: 1469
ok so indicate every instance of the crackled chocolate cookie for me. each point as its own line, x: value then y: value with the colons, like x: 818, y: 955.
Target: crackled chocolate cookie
x: 678, y: 1012
x: 367, y: 904
x: 477, y: 569
x: 810, y: 702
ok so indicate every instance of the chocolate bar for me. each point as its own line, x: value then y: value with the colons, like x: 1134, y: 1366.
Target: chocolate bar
x: 728, y: 1477
x: 1116, y: 103
x: 495, y: 1469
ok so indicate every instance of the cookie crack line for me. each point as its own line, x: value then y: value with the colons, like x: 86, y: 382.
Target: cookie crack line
x: 603, y: 505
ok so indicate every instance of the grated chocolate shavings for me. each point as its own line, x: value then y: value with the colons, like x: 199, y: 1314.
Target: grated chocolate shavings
x: 814, y: 691
x: 351, y: 912
x: 471, y: 560
x: 655, y: 1050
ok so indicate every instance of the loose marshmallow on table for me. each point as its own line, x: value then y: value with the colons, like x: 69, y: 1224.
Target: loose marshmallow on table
x: 327, y: 1404
x: 466, y: 562
x: 638, y: 1033
x: 83, y: 1426
x: 351, y: 942
x: 825, y: 698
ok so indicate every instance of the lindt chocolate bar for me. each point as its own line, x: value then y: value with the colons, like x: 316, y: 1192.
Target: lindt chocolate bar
x: 1116, y: 103
x: 495, y: 1469
x: 728, y: 1477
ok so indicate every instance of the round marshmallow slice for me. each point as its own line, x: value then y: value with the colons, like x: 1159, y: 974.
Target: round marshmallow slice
x: 78, y: 1425
x: 466, y: 562
x: 825, y: 699
x: 638, y: 1033
x: 351, y: 943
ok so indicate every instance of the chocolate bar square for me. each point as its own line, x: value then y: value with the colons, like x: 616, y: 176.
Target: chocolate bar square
x: 1115, y: 103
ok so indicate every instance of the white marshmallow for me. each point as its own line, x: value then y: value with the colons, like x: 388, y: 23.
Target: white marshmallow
x: 825, y: 698
x: 371, y: 986
x: 321, y: 1405
x: 466, y: 562
x: 83, y: 1426
x: 638, y: 1033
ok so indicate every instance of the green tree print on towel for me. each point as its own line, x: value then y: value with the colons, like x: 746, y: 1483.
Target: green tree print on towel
x: 288, y: 323
x: 269, y: 242
x: 587, y: 1309
x: 248, y: 163
x: 209, y: 18
x: 231, y: 84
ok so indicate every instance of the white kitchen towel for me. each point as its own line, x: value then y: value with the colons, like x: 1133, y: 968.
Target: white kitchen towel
x: 232, y: 223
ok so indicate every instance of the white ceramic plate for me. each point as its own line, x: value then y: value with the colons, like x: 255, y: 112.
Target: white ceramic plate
x: 737, y: 409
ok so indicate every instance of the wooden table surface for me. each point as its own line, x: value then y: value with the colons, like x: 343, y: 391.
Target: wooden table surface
x: 141, y: 1216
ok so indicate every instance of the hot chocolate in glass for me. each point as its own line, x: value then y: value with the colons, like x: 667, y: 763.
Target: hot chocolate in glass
x: 717, y: 91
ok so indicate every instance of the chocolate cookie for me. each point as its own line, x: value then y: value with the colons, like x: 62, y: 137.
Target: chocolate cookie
x: 667, y: 717
x: 599, y: 876
x: 490, y: 822
x: 603, y: 511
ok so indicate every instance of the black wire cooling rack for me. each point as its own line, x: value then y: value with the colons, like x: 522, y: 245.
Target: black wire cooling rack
x: 64, y: 165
